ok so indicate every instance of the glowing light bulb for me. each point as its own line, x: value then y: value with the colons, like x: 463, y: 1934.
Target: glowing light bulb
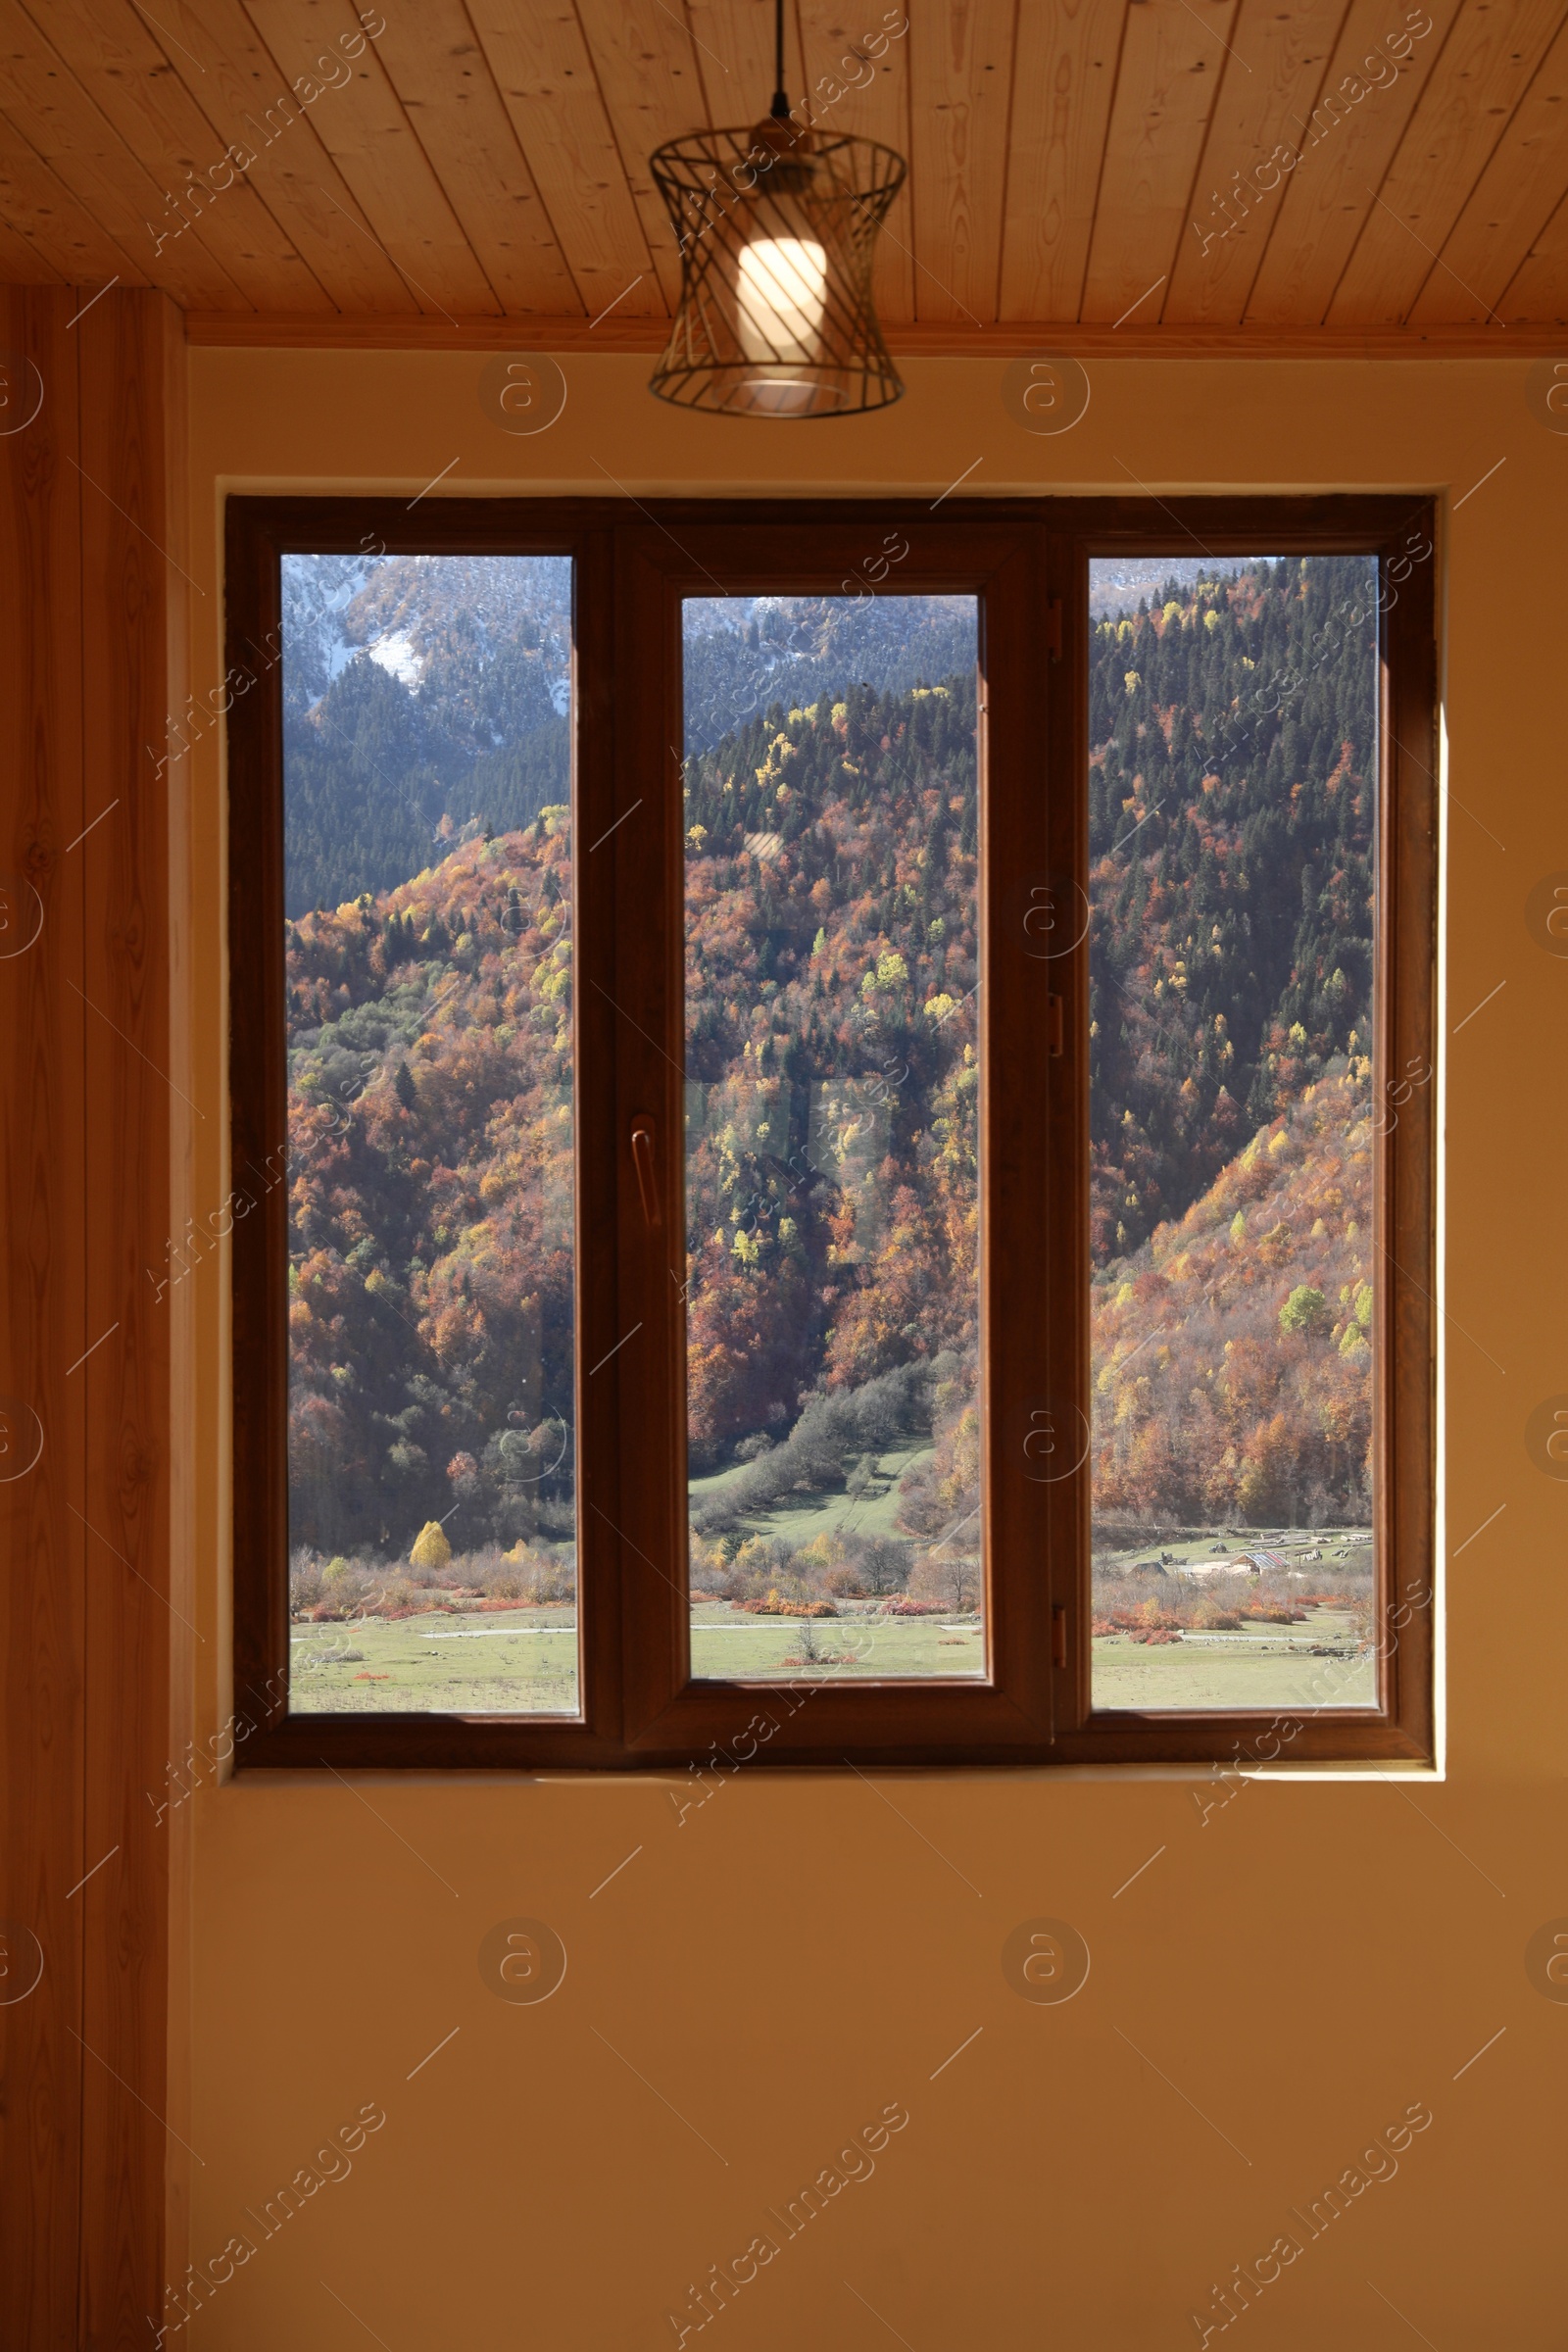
x: 782, y: 295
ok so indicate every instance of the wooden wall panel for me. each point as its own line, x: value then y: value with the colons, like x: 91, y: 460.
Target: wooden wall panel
x: 85, y: 1665
x: 131, y: 588
x: 42, y: 1323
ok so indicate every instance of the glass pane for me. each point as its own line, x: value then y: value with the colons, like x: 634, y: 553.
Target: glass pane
x: 427, y: 820
x: 832, y: 1202
x: 1232, y: 781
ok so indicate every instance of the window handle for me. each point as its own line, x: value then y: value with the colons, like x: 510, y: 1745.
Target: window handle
x: 642, y: 1158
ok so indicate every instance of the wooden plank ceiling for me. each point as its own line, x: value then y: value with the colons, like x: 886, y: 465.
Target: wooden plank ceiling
x: 1222, y: 171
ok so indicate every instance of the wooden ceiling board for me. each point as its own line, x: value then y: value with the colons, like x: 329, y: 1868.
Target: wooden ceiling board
x: 63, y: 124
x: 1538, y: 291
x: 20, y: 261
x: 656, y: 87
x: 1325, y: 201
x: 395, y: 199
x: 1513, y: 200
x: 235, y: 77
x: 1077, y: 167
x: 1173, y: 57
x: 545, y: 75
x: 961, y: 71
x: 1064, y: 77
x: 444, y: 84
x: 1487, y: 65
x: 874, y: 104
x: 1271, y: 83
x: 737, y: 48
x: 109, y: 48
x: 52, y: 224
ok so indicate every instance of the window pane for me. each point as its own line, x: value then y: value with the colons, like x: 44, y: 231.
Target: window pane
x: 1232, y: 765
x: 832, y: 1202
x: 427, y: 818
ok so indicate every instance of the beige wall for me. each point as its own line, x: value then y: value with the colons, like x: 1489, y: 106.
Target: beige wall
x: 1294, y: 1971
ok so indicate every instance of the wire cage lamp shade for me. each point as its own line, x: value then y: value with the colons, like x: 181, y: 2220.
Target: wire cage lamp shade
x: 777, y: 234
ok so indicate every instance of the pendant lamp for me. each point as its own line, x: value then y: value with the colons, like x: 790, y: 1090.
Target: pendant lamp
x: 777, y: 230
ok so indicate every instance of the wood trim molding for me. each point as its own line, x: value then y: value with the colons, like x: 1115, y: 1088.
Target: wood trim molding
x: 269, y: 330
x: 90, y: 612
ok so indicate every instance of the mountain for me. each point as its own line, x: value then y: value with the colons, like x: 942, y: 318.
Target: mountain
x: 423, y: 697
x: 432, y: 692
x: 1116, y: 583
x: 743, y: 652
x: 831, y: 877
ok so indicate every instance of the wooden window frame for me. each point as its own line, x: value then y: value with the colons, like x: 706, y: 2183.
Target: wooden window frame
x: 1027, y: 563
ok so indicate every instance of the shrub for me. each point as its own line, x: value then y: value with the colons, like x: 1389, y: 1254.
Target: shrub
x: 430, y: 1548
x: 772, y: 1606
x: 885, y: 1563
x: 304, y: 1580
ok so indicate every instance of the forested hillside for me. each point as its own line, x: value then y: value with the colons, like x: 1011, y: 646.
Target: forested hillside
x: 430, y: 1202
x: 1231, y: 821
x: 1232, y: 1352
x: 830, y: 1051
x: 1231, y: 839
x: 832, y: 1076
x: 832, y: 1108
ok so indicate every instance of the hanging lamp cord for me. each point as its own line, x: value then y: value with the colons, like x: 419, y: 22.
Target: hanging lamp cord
x: 781, y: 105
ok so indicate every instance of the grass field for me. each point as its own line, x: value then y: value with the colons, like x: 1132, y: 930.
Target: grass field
x: 1269, y: 1667
x: 727, y: 1646
x: 522, y: 1662
x: 525, y: 1662
x: 872, y: 1513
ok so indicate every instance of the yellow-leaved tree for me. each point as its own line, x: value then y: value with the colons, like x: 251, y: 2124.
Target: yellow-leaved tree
x: 430, y: 1546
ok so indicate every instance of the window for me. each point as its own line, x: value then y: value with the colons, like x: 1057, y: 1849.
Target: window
x: 832, y: 1129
